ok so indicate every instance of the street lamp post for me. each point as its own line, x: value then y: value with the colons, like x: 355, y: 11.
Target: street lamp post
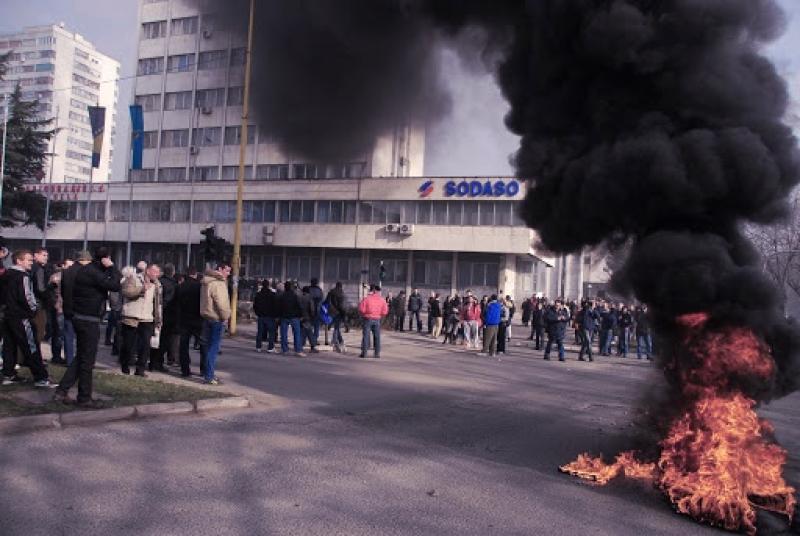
x: 237, y: 235
x: 50, y: 184
x: 3, y: 154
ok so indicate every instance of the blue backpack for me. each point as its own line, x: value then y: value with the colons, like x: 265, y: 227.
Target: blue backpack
x: 324, y: 315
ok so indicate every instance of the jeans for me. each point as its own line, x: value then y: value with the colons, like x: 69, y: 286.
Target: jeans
x: 267, y: 330
x: 471, y: 333
x: 559, y: 340
x: 586, y: 344
x: 337, y: 330
x: 112, y: 325
x: 644, y: 343
x: 373, y: 326
x: 297, y: 334
x: 430, y: 323
x: 606, y: 337
x: 537, y: 334
x: 82, y: 367
x: 624, y: 337
x: 212, y: 334
x: 314, y: 341
x: 411, y: 316
x: 183, y: 351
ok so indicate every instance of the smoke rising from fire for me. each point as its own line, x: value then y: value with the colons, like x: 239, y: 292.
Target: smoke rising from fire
x: 660, y: 121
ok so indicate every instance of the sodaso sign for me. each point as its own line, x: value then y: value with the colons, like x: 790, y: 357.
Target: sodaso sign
x: 481, y: 189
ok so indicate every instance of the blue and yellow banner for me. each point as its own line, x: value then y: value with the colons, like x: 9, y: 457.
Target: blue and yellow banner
x: 97, y: 118
x: 137, y: 135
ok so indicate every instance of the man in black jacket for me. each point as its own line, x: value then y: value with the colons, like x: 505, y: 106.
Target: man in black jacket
x: 20, y: 331
x: 169, y: 338
x: 414, y: 309
x: 190, y: 323
x: 290, y: 313
x: 87, y: 289
x: 265, y: 306
x: 337, y: 310
x: 556, y: 318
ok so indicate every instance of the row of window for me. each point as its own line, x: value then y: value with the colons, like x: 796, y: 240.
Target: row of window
x: 38, y: 68
x: 25, y: 82
x: 204, y: 61
x: 29, y: 42
x: 82, y: 80
x: 455, y: 213
x: 300, y: 171
x: 32, y: 55
x: 206, y: 99
x: 76, y: 211
x: 179, y: 26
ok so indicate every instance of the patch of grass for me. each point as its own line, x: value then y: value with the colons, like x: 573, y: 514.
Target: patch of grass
x: 124, y: 391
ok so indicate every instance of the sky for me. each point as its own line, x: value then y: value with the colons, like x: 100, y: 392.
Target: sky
x: 471, y: 141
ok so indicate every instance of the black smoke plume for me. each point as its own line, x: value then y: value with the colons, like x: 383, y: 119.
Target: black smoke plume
x: 657, y: 121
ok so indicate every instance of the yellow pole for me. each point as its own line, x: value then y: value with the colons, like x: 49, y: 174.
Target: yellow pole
x: 237, y: 236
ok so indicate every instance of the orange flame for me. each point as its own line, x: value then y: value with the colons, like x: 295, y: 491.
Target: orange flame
x: 718, y: 462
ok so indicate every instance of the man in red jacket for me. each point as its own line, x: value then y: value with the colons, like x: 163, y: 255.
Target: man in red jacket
x: 373, y: 308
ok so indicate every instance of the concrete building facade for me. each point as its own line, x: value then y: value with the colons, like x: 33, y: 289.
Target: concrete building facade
x: 67, y: 74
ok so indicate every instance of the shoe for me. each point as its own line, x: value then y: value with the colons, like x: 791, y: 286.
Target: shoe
x: 11, y: 380
x: 259, y: 350
x: 125, y: 370
x: 561, y: 359
x: 313, y: 351
x: 581, y: 359
x: 107, y: 343
x: 140, y: 373
x: 377, y: 357
x: 91, y: 404
x: 45, y: 384
x: 362, y: 356
x: 591, y: 359
x: 270, y: 350
x: 546, y: 358
x: 212, y: 381
x: 159, y: 369
x: 58, y: 361
x: 62, y: 397
x: 300, y: 354
x: 185, y: 374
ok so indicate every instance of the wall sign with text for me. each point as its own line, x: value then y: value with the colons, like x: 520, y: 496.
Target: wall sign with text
x: 477, y: 188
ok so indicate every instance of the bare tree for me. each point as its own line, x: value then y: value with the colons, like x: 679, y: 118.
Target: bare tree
x: 779, y: 246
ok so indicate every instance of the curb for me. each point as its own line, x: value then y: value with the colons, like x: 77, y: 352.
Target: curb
x: 29, y: 423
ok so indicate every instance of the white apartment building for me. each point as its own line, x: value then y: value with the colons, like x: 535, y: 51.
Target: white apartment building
x: 335, y: 221
x: 66, y: 73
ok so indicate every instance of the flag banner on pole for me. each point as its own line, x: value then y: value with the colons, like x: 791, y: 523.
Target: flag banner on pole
x: 97, y: 118
x: 137, y: 135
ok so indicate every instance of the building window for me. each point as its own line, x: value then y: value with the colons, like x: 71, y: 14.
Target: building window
x: 273, y: 171
x: 297, y: 211
x: 233, y: 135
x: 142, y: 175
x: 231, y: 173
x: 433, y: 272
x: 486, y: 213
x: 304, y: 171
x: 205, y: 173
x: 336, y: 212
x: 265, y: 265
x: 209, y: 98
x: 206, y: 136
x: 175, y: 138
x: 302, y: 267
x: 181, y: 100
x: 470, y: 213
x: 149, y: 103
x: 180, y: 63
x: 149, y: 66
x: 154, y: 30
x: 238, y: 56
x: 341, y: 267
x: 150, y: 139
x: 171, y: 174
x: 477, y: 274
x: 439, y: 212
x: 396, y: 270
x: 454, y: 209
x: 235, y: 96
x: 183, y: 26
x: 212, y: 59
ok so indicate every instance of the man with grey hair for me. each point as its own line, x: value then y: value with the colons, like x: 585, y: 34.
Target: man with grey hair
x: 141, y: 316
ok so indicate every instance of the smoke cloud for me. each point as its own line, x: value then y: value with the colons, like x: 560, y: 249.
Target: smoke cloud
x: 658, y: 121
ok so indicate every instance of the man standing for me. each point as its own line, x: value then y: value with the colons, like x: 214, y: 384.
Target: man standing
x: 625, y: 326
x: 537, y: 324
x: 60, y: 338
x: 215, y: 308
x: 190, y: 323
x: 373, y: 308
x: 20, y: 331
x: 471, y: 315
x: 414, y: 309
x: 265, y: 306
x: 88, y: 292
x: 556, y: 318
x: 141, y: 316
x: 168, y: 342
x: 608, y: 323
x: 315, y: 292
x: 492, y: 314
x: 45, y: 296
x: 3, y: 255
x: 290, y: 313
x: 644, y: 337
x: 336, y: 308
x: 309, y: 318
x: 399, y: 306
x: 587, y: 319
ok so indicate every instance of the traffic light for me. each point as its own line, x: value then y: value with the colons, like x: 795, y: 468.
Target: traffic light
x: 215, y: 248
x: 382, y: 272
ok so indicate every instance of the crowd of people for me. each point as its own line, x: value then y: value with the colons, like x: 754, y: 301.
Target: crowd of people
x: 155, y: 317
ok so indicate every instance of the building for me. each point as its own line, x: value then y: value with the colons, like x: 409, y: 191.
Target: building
x: 67, y: 74
x: 336, y: 221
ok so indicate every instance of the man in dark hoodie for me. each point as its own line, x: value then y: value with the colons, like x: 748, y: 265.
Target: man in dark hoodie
x: 190, y: 323
x: 290, y: 314
x: 88, y: 292
x: 265, y: 306
x: 20, y: 331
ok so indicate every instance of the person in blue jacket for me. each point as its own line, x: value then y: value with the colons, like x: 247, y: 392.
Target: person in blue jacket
x: 492, y: 316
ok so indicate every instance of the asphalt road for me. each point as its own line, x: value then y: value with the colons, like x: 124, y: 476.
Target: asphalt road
x: 427, y: 440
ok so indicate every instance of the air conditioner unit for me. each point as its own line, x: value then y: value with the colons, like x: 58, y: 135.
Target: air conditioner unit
x: 392, y: 228
x: 407, y: 229
x: 206, y: 110
x: 193, y: 150
x: 268, y: 236
x: 207, y: 33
